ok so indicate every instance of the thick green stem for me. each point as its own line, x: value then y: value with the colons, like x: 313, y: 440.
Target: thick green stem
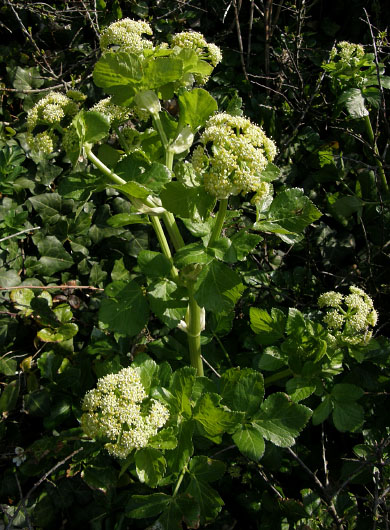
x: 276, y: 377
x: 103, y: 168
x: 179, y: 481
x: 194, y: 331
x: 216, y: 232
x: 173, y: 230
x: 378, y: 162
x: 160, y: 129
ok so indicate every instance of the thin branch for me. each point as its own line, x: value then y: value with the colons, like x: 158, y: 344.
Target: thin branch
x: 19, y: 233
x: 239, y: 37
x: 24, y: 500
x: 46, y: 288
x: 23, y: 503
x: 32, y: 90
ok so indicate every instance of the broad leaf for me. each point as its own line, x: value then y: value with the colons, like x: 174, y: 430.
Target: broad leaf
x: 125, y: 310
x: 143, y: 506
x: 179, y: 457
x: 214, y: 420
x: 54, y: 257
x: 150, y: 466
x: 218, y: 288
x: 268, y: 327
x: 354, y: 102
x: 280, y: 420
x: 242, y: 390
x: 348, y: 416
x: 167, y: 302
x: 196, y: 106
x: 250, y: 442
x: 322, y: 411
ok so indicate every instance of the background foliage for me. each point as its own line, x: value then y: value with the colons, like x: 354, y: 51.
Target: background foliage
x: 56, y: 230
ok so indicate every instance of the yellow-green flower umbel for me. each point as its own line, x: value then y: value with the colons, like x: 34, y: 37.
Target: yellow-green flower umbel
x: 350, y: 317
x: 232, y: 156
x: 118, y: 410
x: 126, y: 35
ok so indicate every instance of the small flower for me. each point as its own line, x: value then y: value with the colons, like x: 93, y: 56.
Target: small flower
x: 42, y: 142
x: 330, y: 299
x: 20, y: 456
x: 50, y: 110
x: 114, y: 113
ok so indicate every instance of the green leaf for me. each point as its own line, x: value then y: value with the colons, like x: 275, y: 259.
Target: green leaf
x: 160, y: 71
x: 213, y: 420
x: 54, y: 257
x: 167, y: 302
x: 280, y: 420
x: 125, y: 310
x: 300, y: 388
x: 154, y: 263
x: 250, y: 442
x: 8, y: 366
x: 143, y: 506
x: 322, y: 411
x: 181, y: 388
x: 347, y: 416
x: 186, y: 202
x: 118, y: 73
x: 208, y: 499
x: 79, y: 186
x: 38, y: 403
x: 354, y: 103
x: 164, y: 439
x: 134, y: 189
x: 243, y: 243
x: 124, y: 219
x: 91, y: 126
x: 9, y: 396
x: 181, y: 508
x: 196, y: 106
x: 218, y: 288
x: 271, y: 359
x: 136, y: 168
x: 242, y: 390
x: 48, y: 206
x: 179, y: 457
x: 268, y: 327
x: 295, y: 324
x: 192, y: 253
x: 290, y: 212
x: 60, y: 334
x: 150, y: 466
x: 345, y: 392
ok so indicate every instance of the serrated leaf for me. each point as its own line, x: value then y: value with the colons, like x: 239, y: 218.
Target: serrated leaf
x: 280, y: 420
x: 250, y: 442
x: 268, y: 327
x: 244, y: 243
x: 192, y: 253
x: 300, y: 388
x: 345, y: 392
x: 150, y: 466
x: 322, y: 411
x: 354, y: 103
x: 154, y: 263
x: 167, y: 302
x: 126, y: 310
x: 196, y: 106
x: 180, y: 386
x: 218, y: 288
x: 164, y: 439
x: 347, y: 416
x: 179, y: 457
x: 142, y: 506
x: 242, y: 390
x: 290, y: 212
x: 214, y: 420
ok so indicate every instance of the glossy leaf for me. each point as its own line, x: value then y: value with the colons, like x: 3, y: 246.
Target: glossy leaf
x: 250, y: 442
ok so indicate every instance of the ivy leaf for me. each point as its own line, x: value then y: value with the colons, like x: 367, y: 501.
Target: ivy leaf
x: 290, y: 213
x: 242, y: 390
x: 268, y: 327
x: 250, y: 442
x: 280, y: 420
x: 214, y: 420
x: 354, y: 103
x: 218, y: 288
x: 54, y: 257
x: 196, y: 106
x: 125, y: 310
x: 150, y: 466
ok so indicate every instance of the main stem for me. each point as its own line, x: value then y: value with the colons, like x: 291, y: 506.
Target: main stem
x: 216, y: 232
x: 378, y: 162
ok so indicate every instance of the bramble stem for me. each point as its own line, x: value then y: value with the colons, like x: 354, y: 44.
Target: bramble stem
x: 194, y: 331
x: 216, y: 232
x: 378, y: 162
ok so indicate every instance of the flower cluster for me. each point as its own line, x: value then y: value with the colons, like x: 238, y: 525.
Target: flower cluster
x: 114, y: 410
x: 114, y: 113
x: 126, y: 35
x: 42, y: 142
x: 50, y: 110
x: 195, y: 41
x: 348, y: 62
x: 233, y: 155
x: 349, y: 53
x: 350, y: 316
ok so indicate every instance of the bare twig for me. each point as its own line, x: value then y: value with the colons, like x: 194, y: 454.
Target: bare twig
x: 47, y: 287
x: 24, y: 500
x: 19, y: 233
x: 32, y: 90
x: 23, y: 503
x: 239, y: 37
